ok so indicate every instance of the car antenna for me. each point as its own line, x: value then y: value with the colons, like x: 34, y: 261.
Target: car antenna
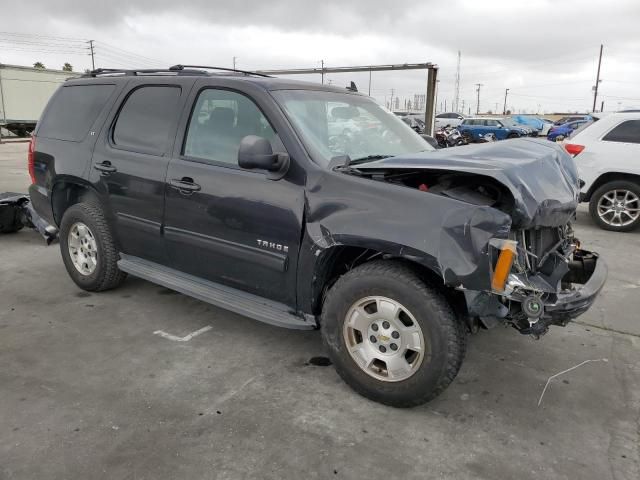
x: 352, y: 87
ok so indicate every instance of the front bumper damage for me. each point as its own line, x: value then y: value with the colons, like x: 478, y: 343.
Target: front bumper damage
x: 531, y: 305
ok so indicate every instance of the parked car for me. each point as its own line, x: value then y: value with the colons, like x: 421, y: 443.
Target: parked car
x: 475, y: 128
x: 607, y: 153
x: 448, y: 118
x: 509, y: 122
x: 572, y: 118
x: 565, y: 130
x: 540, y: 126
x: 230, y: 188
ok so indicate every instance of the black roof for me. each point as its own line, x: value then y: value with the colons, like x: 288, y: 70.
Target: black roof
x: 265, y: 81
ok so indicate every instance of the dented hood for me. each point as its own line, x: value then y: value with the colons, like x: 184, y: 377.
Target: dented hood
x: 541, y: 176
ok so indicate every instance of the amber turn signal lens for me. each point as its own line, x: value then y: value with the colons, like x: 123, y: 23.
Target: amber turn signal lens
x: 503, y: 267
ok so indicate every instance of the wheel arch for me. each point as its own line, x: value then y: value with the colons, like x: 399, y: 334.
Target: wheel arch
x: 333, y: 262
x: 610, y: 177
x: 66, y: 192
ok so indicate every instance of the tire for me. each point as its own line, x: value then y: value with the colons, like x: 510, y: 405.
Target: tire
x: 601, y: 197
x: 513, y: 135
x: 443, y: 335
x: 105, y: 274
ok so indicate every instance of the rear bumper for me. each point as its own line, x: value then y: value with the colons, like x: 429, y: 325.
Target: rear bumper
x: 42, y: 203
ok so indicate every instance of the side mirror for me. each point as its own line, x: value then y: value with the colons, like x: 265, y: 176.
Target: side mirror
x: 256, y: 153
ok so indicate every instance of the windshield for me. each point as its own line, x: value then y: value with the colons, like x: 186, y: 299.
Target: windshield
x: 334, y: 124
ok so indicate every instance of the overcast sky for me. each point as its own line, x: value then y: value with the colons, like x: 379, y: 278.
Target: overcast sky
x: 544, y: 51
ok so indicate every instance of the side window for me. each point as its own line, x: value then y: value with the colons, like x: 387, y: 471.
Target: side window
x: 627, y: 132
x: 73, y: 110
x: 144, y: 122
x: 219, y: 121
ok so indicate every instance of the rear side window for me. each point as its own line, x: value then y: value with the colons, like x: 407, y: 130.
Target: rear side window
x: 73, y: 110
x: 144, y: 122
x: 627, y: 132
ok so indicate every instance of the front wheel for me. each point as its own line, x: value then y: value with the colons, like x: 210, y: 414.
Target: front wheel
x: 616, y: 206
x: 391, y: 337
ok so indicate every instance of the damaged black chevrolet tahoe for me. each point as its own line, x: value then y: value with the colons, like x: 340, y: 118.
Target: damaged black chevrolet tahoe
x: 310, y: 206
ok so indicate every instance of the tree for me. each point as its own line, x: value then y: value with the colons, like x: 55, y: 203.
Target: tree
x: 67, y: 67
x: 38, y: 65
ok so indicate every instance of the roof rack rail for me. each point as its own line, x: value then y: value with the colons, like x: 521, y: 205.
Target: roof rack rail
x: 246, y: 72
x: 134, y: 72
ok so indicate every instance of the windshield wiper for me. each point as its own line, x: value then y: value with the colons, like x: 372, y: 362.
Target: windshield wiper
x: 344, y: 162
x: 368, y: 158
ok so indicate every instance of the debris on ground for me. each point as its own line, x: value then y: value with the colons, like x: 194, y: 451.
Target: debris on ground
x: 566, y: 371
x: 16, y: 212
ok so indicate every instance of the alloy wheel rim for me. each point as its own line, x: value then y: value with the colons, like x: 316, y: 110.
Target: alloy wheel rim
x: 619, y: 207
x: 384, y: 339
x: 82, y: 248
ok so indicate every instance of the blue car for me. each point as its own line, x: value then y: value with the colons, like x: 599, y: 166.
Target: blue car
x: 565, y: 130
x: 478, y: 127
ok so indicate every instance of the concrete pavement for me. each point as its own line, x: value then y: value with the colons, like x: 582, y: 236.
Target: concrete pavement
x: 87, y: 390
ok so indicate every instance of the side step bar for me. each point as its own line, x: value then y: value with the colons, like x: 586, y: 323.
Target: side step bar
x: 222, y: 296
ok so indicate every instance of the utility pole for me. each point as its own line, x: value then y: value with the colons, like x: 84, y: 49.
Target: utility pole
x: 602, y: 106
x: 322, y: 70
x: 369, y: 82
x: 595, y: 89
x: 478, y: 91
x: 234, y: 62
x: 456, y: 98
x: 496, y: 110
x: 445, y: 104
x: 506, y: 92
x: 462, y: 109
x: 93, y: 62
x: 391, y: 102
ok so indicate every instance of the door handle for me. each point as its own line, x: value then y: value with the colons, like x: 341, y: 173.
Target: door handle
x: 185, y: 185
x: 105, y: 167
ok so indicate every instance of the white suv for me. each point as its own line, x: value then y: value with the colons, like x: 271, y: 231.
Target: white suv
x: 452, y: 119
x: 607, y: 154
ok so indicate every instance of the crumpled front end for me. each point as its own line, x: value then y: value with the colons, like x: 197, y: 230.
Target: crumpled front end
x: 528, y: 271
x: 539, y: 277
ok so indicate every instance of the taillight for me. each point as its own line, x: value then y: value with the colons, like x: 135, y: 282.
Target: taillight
x: 30, y: 160
x: 573, y: 149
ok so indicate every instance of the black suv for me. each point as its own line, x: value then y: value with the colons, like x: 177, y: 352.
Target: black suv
x: 310, y: 206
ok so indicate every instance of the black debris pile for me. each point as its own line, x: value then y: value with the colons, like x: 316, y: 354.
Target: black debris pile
x: 17, y: 212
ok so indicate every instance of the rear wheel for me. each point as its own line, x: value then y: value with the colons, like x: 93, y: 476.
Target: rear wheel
x: 616, y: 206
x: 392, y: 338
x: 88, y: 248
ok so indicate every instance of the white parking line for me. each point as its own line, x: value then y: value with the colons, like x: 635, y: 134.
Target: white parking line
x: 186, y: 338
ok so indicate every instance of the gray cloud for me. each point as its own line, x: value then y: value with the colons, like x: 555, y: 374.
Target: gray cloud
x: 543, y: 50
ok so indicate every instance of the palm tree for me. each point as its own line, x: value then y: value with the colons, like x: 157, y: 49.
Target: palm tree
x: 67, y: 67
x: 38, y: 65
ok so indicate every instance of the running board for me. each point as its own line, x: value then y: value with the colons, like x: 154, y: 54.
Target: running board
x: 222, y: 296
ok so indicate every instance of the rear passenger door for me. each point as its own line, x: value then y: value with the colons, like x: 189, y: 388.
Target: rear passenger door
x: 130, y: 161
x: 223, y: 223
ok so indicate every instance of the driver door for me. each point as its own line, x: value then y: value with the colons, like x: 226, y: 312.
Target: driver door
x: 222, y: 223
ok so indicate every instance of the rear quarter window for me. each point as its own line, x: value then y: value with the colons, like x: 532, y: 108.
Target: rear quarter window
x: 72, y: 111
x: 146, y: 118
x: 626, y: 132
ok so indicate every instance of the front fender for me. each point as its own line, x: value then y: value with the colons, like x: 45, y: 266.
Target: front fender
x: 448, y: 236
